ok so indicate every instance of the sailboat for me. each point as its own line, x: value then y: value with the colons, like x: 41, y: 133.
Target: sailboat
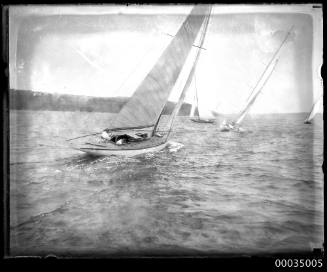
x: 235, y: 125
x: 251, y: 100
x: 314, y: 110
x: 195, y: 115
x: 134, y: 130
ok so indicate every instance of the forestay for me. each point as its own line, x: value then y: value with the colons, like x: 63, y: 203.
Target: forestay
x: 145, y: 106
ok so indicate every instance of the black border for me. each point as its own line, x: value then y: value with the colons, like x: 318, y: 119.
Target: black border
x: 229, y: 261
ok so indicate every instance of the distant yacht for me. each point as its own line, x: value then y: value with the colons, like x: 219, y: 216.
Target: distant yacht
x: 314, y: 110
x: 195, y: 115
x: 235, y: 125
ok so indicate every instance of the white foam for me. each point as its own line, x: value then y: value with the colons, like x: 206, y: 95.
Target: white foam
x: 174, y: 146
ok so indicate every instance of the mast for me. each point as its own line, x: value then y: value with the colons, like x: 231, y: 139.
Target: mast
x: 156, y: 124
x: 252, y: 100
x: 190, y: 77
x: 271, y: 60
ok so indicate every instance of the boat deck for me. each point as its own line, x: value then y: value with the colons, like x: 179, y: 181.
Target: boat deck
x: 97, y: 142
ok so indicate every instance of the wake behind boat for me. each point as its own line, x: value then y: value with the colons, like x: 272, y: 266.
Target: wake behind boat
x: 134, y: 130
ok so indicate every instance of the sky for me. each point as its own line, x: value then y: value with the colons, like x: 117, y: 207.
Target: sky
x: 106, y: 51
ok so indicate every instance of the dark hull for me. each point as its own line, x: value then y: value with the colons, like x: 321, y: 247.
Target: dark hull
x: 202, y: 121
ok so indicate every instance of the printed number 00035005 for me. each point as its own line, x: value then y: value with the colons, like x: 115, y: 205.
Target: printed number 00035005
x: 298, y: 263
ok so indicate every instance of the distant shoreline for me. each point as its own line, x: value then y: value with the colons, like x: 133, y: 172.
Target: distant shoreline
x: 38, y: 101
x: 30, y: 100
x: 113, y: 113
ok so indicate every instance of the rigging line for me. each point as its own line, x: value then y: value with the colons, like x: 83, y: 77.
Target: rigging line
x: 134, y: 69
x: 273, y: 57
x: 196, y: 96
x: 157, y: 123
x: 174, y: 36
x: 83, y: 136
x: 53, y: 146
x: 88, y: 60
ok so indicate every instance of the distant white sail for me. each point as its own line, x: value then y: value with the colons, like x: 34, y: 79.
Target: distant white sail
x: 314, y: 110
x: 270, y: 62
x: 262, y: 81
x: 193, y: 106
x: 202, y: 112
x: 259, y: 88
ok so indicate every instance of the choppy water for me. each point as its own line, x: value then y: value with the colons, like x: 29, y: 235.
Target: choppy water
x: 260, y: 191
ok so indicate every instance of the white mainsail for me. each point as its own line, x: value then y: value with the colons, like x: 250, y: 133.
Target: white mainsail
x: 147, y: 103
x: 314, y: 110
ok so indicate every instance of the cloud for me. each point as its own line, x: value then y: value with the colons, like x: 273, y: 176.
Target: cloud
x: 269, y: 36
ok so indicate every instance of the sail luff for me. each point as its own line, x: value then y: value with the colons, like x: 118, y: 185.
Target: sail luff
x: 190, y: 76
x: 149, y: 99
x: 271, y: 60
x: 251, y: 102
